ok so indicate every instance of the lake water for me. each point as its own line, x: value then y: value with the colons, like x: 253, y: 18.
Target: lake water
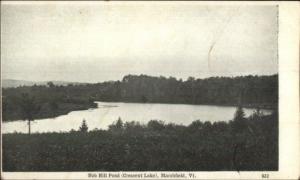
x: 108, y: 112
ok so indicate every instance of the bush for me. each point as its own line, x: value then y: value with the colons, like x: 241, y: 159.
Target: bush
x: 152, y: 147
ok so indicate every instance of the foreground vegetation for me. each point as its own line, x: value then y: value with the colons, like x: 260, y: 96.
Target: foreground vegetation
x: 241, y: 144
x: 53, y: 100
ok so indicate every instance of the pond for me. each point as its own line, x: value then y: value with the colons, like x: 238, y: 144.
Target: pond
x: 108, y: 112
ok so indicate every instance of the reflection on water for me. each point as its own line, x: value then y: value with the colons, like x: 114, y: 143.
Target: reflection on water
x: 108, y: 112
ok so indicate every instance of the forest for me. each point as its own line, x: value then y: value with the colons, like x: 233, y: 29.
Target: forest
x: 52, y: 100
x: 243, y: 144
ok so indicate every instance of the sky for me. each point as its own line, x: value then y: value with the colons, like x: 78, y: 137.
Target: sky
x: 101, y: 41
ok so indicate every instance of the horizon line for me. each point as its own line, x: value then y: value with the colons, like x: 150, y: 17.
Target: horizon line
x: 64, y: 81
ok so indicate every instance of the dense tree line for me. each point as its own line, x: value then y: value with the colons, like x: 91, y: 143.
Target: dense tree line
x: 247, y: 90
x: 252, y: 91
x: 50, y: 101
x: 242, y: 144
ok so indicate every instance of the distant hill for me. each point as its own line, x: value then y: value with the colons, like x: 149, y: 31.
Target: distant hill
x: 7, y: 83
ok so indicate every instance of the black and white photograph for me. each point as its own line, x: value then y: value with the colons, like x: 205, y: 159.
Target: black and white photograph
x: 163, y: 88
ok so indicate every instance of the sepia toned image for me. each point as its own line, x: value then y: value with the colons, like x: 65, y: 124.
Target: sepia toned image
x: 139, y: 87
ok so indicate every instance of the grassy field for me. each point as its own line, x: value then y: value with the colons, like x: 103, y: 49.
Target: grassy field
x: 247, y: 144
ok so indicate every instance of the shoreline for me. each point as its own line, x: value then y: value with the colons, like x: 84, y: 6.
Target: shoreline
x: 95, y: 105
x: 261, y: 106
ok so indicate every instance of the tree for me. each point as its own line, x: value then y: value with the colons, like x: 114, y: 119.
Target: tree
x: 83, y: 127
x: 196, y: 125
x: 29, y: 109
x: 50, y: 84
x: 119, y: 123
x: 239, y: 114
x: 257, y: 114
x: 259, y: 91
x: 191, y: 79
x: 239, y: 121
x: 156, y: 125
